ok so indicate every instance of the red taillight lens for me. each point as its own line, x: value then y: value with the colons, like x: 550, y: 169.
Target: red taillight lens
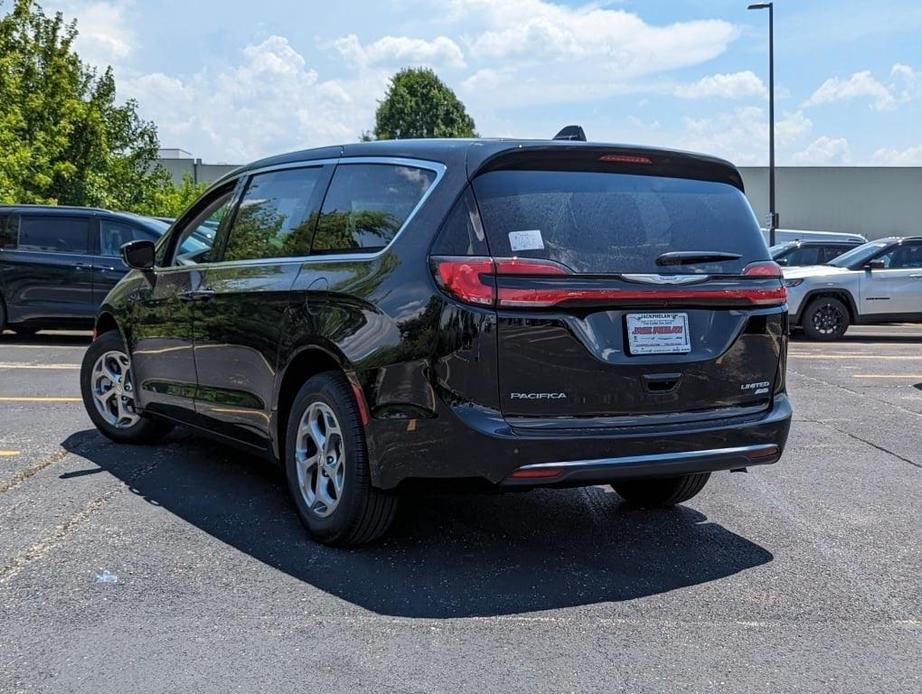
x: 535, y: 473
x: 529, y: 266
x: 766, y: 269
x: 467, y: 279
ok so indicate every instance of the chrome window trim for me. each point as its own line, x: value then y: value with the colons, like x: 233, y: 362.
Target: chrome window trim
x: 437, y: 167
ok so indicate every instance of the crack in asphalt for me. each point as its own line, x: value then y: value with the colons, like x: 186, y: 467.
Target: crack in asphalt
x: 23, y: 475
x: 829, y: 423
x: 61, y: 531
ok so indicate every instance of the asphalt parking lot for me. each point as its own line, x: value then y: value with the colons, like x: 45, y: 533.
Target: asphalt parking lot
x: 805, y: 575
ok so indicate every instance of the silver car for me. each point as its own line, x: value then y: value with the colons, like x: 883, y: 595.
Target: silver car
x: 877, y: 282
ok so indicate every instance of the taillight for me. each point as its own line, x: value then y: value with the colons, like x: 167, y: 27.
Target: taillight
x: 766, y: 269
x: 467, y: 279
x: 472, y: 279
x: 477, y: 280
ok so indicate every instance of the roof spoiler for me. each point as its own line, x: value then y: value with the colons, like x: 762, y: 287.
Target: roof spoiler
x: 571, y: 132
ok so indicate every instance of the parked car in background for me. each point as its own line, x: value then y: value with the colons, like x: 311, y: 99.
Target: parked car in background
x: 58, y: 263
x: 788, y: 235
x: 501, y: 314
x: 800, y: 253
x: 877, y: 282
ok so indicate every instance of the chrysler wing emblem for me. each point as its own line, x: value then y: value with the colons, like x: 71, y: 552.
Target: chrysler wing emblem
x: 666, y: 279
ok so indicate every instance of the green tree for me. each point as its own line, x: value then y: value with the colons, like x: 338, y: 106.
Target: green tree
x: 168, y: 199
x: 419, y: 104
x: 63, y: 137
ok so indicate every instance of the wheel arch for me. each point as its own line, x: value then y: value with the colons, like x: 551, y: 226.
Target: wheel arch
x: 843, y: 295
x: 304, y: 363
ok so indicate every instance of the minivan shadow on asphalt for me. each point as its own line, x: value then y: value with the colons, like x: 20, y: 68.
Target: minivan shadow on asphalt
x: 446, y: 556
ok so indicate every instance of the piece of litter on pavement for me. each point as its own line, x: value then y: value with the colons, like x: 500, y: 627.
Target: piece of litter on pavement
x: 106, y: 577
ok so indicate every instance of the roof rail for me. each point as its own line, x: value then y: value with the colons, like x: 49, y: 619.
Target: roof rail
x: 571, y: 132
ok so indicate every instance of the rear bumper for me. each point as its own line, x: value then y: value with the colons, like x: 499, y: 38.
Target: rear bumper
x: 469, y: 442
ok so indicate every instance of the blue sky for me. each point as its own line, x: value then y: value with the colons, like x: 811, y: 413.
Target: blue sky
x: 234, y: 80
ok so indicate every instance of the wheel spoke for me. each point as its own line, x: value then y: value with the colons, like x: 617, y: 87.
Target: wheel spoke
x: 320, y: 459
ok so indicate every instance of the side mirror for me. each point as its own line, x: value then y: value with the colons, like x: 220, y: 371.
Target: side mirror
x: 139, y: 254
x: 876, y: 264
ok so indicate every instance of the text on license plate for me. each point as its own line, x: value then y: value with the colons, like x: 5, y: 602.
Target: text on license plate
x: 658, y: 333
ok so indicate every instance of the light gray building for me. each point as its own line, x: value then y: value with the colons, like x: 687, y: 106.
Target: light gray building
x: 868, y: 200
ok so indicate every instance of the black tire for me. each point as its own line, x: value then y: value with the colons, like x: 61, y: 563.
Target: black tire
x: 360, y: 513
x: 825, y: 318
x: 23, y: 331
x: 145, y: 429
x: 2, y: 315
x: 667, y: 491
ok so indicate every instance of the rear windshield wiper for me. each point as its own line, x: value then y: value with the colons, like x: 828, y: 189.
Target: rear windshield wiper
x: 692, y: 257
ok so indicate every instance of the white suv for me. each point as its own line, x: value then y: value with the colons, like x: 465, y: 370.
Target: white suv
x: 878, y: 282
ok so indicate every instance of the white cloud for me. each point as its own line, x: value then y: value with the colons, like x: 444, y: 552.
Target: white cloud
x: 105, y: 34
x: 824, y: 151
x: 911, y: 156
x: 734, y: 85
x: 741, y: 135
x: 905, y: 86
x: 401, y: 51
x: 271, y: 101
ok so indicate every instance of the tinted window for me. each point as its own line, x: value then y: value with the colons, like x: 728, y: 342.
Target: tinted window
x: 197, y: 237
x: 615, y: 223
x: 53, y: 234
x: 277, y: 216
x: 805, y: 255
x: 113, y: 235
x: 828, y: 253
x: 462, y: 233
x: 905, y: 257
x: 367, y: 204
x: 9, y: 230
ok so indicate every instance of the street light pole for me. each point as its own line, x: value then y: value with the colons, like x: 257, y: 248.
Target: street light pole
x: 773, y: 215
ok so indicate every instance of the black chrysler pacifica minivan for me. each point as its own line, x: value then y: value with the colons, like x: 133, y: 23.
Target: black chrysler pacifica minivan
x: 510, y: 313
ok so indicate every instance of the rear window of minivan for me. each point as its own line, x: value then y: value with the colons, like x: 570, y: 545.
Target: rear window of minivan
x: 612, y: 223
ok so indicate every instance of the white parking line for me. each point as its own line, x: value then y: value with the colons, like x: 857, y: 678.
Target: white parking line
x: 917, y: 377
x: 894, y: 357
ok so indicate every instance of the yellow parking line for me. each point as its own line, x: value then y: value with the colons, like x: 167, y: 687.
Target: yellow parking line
x: 14, y: 365
x: 9, y: 454
x: 38, y: 399
x: 911, y: 376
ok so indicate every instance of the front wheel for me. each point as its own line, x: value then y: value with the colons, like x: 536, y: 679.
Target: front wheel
x: 825, y: 319
x: 326, y: 465
x: 667, y: 491
x: 109, y: 393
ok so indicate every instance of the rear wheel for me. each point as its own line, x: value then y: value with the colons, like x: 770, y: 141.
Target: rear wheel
x: 825, y: 318
x: 326, y: 465
x: 667, y: 491
x: 109, y: 393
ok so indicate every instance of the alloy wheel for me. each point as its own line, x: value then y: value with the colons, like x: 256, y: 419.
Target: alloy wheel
x: 113, y: 390
x: 320, y: 458
x: 827, y: 319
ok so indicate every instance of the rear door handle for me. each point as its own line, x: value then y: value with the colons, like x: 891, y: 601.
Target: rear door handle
x: 196, y: 295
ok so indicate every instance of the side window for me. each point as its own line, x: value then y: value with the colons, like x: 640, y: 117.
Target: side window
x: 53, y: 234
x: 828, y: 253
x: 905, y: 257
x: 276, y: 216
x: 462, y: 232
x: 197, y: 235
x: 805, y: 255
x: 9, y: 231
x: 367, y: 204
x: 113, y: 235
